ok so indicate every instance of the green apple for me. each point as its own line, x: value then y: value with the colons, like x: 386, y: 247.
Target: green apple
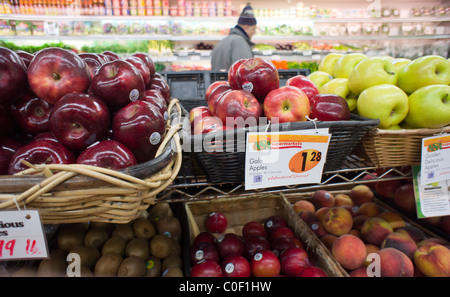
x: 399, y: 63
x: 319, y: 78
x: 346, y: 63
x: 424, y: 71
x: 327, y: 63
x: 429, y: 107
x: 370, y: 72
x: 339, y: 86
x: 395, y: 127
x: 385, y: 102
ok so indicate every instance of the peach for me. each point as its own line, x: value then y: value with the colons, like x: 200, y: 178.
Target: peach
x: 432, y: 240
x: 360, y: 272
x: 304, y: 205
x: 342, y: 199
x: 374, y: 230
x: 319, y: 213
x: 322, y: 198
x: 433, y: 260
x: 370, y: 209
x: 349, y: 251
x: 308, y: 216
x: 370, y: 248
x: 359, y: 221
x: 337, y: 220
x: 394, y: 263
x: 393, y: 218
x: 328, y: 240
x: 400, y: 241
x: 361, y: 194
x: 416, y: 234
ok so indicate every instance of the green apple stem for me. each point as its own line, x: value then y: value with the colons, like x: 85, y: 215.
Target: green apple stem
x: 445, y: 99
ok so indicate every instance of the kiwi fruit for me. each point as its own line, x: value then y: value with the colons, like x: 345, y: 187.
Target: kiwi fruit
x: 86, y: 272
x: 153, y: 266
x: 161, y: 246
x: 173, y: 272
x: 52, y: 267
x: 171, y: 261
x: 108, y: 265
x: 138, y: 247
x: 124, y: 230
x: 176, y: 247
x: 169, y: 225
x: 143, y: 228
x: 132, y: 267
x: 108, y: 227
x: 96, y: 237
x: 159, y: 210
x: 88, y: 255
x: 70, y: 236
x: 115, y: 244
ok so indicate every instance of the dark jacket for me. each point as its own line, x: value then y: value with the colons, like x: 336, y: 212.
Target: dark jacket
x: 235, y: 46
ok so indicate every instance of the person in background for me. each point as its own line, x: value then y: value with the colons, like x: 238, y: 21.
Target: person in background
x: 237, y: 45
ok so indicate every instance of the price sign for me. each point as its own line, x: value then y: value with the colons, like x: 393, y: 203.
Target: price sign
x: 21, y: 235
x: 285, y: 158
x: 435, y: 165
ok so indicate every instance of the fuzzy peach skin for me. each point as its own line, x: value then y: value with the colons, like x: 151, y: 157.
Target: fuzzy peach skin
x: 304, y: 205
x: 370, y: 209
x: 375, y: 230
x: 393, y: 218
x: 337, y: 220
x: 395, y: 263
x: 322, y: 198
x: 349, y: 251
x: 342, y: 199
x: 401, y: 242
x: 361, y: 194
x: 433, y: 260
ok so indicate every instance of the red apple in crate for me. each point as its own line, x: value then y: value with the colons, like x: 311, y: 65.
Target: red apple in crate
x: 140, y: 127
x: 281, y: 244
x: 265, y: 264
x: 258, y: 76
x: 206, y: 268
x: 236, y: 266
x: 7, y: 123
x: 107, y: 154
x: 8, y: 146
x: 212, y: 86
x: 215, y: 96
x: 273, y: 222
x: 149, y: 62
x: 230, y: 244
x: 282, y: 231
x: 313, y: 271
x: 238, y: 104
x: 32, y: 114
x: 111, y: 55
x: 142, y: 67
x: 253, y: 228
x: 13, y: 82
x: 216, y: 222
x: 232, y: 72
x: 207, y: 124
x: 293, y: 261
x: 303, y: 83
x: 204, y: 236
x: 155, y: 98
x: 78, y: 120
x: 55, y: 72
x: 198, y: 112
x: 204, y: 251
x: 118, y: 83
x: 25, y: 56
x: 40, y: 152
x: 254, y: 244
x: 288, y: 104
x: 329, y: 107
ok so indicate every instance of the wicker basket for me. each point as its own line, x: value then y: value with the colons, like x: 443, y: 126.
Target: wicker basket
x: 241, y: 210
x: 388, y: 148
x: 76, y: 193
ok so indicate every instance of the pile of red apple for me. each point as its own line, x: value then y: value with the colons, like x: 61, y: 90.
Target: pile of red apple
x: 262, y: 250
x: 253, y: 91
x: 57, y: 106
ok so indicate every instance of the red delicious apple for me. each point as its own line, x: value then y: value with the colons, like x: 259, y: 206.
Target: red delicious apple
x: 216, y: 222
x: 293, y: 261
x: 273, y: 222
x: 253, y: 228
x: 55, y: 72
x: 155, y: 98
x: 107, y: 154
x: 288, y: 104
x: 93, y: 66
x: 140, y: 127
x: 204, y: 237
x: 93, y: 56
x: 230, y: 244
x: 313, y: 271
x: 282, y: 231
x: 206, y: 268
x: 329, y: 107
x: 40, y: 152
x: 142, y: 67
x: 303, y: 83
x: 159, y: 83
x: 212, y: 86
x: 78, y: 120
x: 265, y: 264
x: 7, y: 123
x: 149, y: 62
x: 8, y: 146
x: 215, y: 96
x: 207, y: 124
x: 239, y: 105
x: 45, y: 135
x: 13, y: 82
x: 111, y: 55
x: 204, y: 251
x: 198, y: 112
x: 232, y: 73
x: 118, y: 83
x: 254, y: 244
x: 32, y: 114
x: 258, y: 76
x: 25, y: 56
x: 236, y: 266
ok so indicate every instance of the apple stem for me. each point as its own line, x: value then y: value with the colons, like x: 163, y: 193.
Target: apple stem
x: 445, y: 99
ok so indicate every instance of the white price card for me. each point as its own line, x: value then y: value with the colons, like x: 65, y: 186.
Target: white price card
x: 22, y: 235
x: 285, y: 158
x: 435, y: 163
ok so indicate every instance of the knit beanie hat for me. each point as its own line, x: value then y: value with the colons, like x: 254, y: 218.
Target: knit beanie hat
x: 247, y: 17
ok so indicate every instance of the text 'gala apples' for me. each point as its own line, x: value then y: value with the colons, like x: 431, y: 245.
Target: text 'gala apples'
x: 288, y: 104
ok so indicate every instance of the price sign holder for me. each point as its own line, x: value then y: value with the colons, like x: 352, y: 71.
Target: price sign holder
x: 435, y: 163
x: 22, y: 235
x: 285, y: 158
